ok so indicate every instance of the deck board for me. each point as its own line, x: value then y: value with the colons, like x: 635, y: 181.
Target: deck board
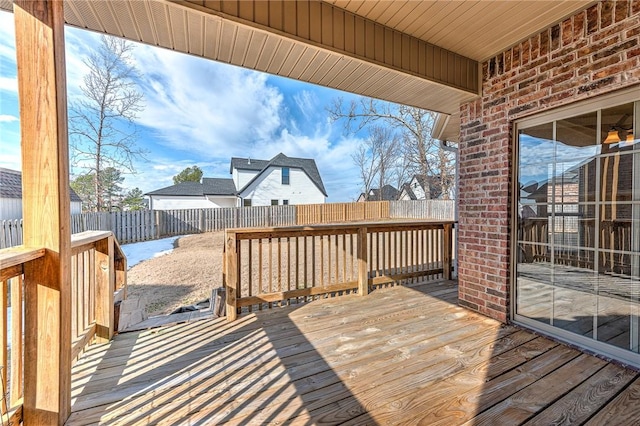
x: 401, y: 355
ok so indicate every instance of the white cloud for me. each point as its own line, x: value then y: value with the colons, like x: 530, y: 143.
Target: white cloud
x: 6, y: 118
x: 206, y: 108
x: 200, y: 112
x: 307, y: 103
x: 10, y: 156
x: 9, y: 84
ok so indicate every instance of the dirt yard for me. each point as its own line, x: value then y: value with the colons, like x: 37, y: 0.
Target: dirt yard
x: 185, y: 276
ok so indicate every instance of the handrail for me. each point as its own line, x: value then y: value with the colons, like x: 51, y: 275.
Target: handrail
x: 98, y: 269
x: 262, y: 266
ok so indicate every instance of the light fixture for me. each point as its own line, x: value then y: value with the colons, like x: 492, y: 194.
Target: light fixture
x: 630, y: 137
x: 612, y: 137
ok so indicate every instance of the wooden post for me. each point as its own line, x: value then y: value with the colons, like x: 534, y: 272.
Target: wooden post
x: 447, y: 250
x: 231, y: 274
x: 363, y: 266
x: 105, y: 286
x: 39, y: 26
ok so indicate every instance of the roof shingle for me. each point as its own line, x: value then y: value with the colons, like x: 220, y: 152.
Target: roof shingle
x: 11, y: 185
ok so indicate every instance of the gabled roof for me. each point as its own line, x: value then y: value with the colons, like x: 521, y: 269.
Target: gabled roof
x: 388, y: 193
x: 218, y: 186
x: 247, y: 164
x: 406, y: 187
x: 307, y: 165
x: 208, y: 186
x: 11, y: 185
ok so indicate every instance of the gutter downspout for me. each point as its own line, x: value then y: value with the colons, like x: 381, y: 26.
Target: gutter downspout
x: 444, y: 146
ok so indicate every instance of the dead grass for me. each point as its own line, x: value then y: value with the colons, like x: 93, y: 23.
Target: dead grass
x: 183, y: 277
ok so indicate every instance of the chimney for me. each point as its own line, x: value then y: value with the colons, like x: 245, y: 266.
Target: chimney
x: 248, y: 160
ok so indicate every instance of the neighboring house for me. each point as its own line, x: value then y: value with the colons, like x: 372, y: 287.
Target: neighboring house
x: 280, y: 181
x: 11, y: 195
x: 210, y: 193
x: 421, y: 188
x: 388, y: 193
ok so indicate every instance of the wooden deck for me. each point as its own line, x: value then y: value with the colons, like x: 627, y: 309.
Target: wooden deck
x: 402, y: 355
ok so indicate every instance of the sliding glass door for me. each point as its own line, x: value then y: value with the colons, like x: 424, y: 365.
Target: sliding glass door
x: 577, y: 241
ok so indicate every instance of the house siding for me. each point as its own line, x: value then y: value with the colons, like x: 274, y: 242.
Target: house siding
x: 243, y: 177
x: 417, y: 189
x: 591, y: 53
x: 165, y: 202
x: 11, y: 208
x: 268, y: 186
x: 221, y: 201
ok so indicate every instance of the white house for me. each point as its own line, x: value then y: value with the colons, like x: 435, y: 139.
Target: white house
x: 421, y: 188
x: 280, y: 181
x: 11, y: 195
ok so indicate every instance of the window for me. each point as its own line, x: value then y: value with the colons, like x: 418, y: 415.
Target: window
x: 247, y: 202
x: 577, y: 246
x: 285, y: 176
x: 274, y: 202
x: 285, y: 202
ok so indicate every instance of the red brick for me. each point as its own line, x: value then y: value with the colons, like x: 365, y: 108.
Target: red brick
x: 606, y: 13
x: 621, y: 10
x: 544, y: 43
x: 632, y: 53
x: 550, y: 69
x: 579, y: 22
x: 567, y: 32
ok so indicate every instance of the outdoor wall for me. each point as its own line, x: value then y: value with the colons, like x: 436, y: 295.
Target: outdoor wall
x: 593, y: 52
x: 301, y: 189
x: 221, y: 201
x: 243, y: 177
x: 11, y: 208
x: 163, y: 202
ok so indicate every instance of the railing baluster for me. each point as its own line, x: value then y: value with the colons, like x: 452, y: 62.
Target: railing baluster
x: 270, y: 242
x: 260, y: 271
x: 363, y: 266
x: 4, y: 407
x: 17, y: 295
x: 250, y: 274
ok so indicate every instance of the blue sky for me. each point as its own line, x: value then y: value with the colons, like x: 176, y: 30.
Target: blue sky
x: 200, y: 112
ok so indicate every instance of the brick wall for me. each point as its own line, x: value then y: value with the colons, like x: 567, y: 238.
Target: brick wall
x: 594, y: 52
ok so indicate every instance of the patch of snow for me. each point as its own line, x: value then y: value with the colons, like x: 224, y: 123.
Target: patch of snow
x: 137, y: 252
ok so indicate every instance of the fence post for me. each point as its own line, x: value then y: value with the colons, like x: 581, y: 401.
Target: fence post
x: 201, y: 220
x: 156, y: 223
x: 363, y: 266
x: 230, y: 274
x: 105, y: 279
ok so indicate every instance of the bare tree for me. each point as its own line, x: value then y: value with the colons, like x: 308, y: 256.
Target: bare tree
x: 101, y: 123
x: 378, y: 159
x: 421, y: 153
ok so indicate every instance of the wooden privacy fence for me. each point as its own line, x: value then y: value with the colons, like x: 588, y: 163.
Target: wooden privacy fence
x: 144, y: 225
x: 309, y: 214
x: 262, y: 267
x: 423, y: 209
x: 98, y: 273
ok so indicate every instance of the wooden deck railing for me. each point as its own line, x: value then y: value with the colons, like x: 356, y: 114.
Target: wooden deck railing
x: 267, y: 266
x: 98, y: 272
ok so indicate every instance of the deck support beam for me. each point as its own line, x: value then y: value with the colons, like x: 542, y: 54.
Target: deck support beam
x: 447, y: 250
x: 39, y: 26
x: 230, y: 274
